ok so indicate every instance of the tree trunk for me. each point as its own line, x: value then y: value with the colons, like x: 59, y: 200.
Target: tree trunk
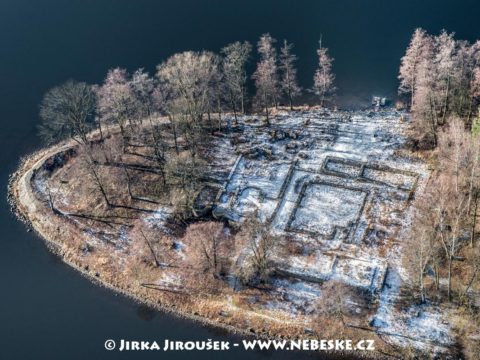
x: 157, y: 263
x: 161, y: 163
x: 235, y: 115
x: 469, y: 114
x: 290, y: 99
x: 219, y: 109
x: 210, y: 123
x: 474, y: 221
x: 445, y: 105
x: 242, y: 101
x: 469, y: 285
x: 433, y: 121
x: 412, y: 92
x: 215, y: 255
x: 449, y: 291
x: 174, y: 129
x: 100, y: 185
x: 422, y: 287
x: 100, y: 129
x: 128, y: 181
x: 266, y: 108
x: 124, y: 137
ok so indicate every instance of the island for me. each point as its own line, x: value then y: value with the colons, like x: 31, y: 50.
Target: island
x: 293, y: 222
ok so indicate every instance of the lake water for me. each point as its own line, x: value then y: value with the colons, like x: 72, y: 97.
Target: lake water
x: 48, y: 311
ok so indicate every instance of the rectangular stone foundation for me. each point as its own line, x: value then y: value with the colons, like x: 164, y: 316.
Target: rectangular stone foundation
x: 327, y: 210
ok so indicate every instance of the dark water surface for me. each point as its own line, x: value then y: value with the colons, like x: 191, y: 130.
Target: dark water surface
x: 47, y: 311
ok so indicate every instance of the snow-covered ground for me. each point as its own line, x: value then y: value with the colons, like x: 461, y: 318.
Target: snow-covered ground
x: 331, y: 178
x: 338, y: 186
x: 336, y: 183
x: 420, y: 326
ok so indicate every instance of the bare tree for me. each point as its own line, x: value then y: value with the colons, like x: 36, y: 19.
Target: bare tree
x: 441, y: 76
x: 236, y: 56
x: 449, y: 212
x: 116, y: 101
x: 93, y: 169
x: 444, y: 71
x: 266, y: 75
x: 336, y: 302
x: 153, y: 247
x: 184, y: 172
x: 445, y: 218
x: 475, y: 264
x: 453, y: 201
x: 187, y: 76
x: 186, y: 80
x: 424, y: 107
x: 210, y: 245
x: 67, y: 110
x: 474, y: 90
x: 142, y: 88
x: 463, y: 97
x: 473, y: 181
x: 216, y: 93
x: 289, y: 82
x: 256, y: 264
x: 410, y: 63
x: 323, y: 80
x: 420, y: 247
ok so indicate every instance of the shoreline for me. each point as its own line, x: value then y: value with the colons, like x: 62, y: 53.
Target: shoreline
x: 25, y: 171
x: 22, y: 200
x: 39, y: 157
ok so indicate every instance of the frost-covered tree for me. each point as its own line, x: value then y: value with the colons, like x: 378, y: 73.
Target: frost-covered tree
x: 288, y: 81
x: 260, y: 246
x: 410, y: 63
x: 421, y: 246
x: 467, y: 80
x: 188, y: 77
x: 116, y: 100
x: 186, y: 80
x: 210, y: 246
x: 423, y: 108
x: 142, y: 88
x: 441, y: 76
x: 445, y: 66
x: 235, y: 59
x: 474, y: 91
x: 323, y: 80
x: 184, y: 173
x: 67, y: 110
x: 446, y: 213
x: 216, y: 92
x: 266, y: 74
